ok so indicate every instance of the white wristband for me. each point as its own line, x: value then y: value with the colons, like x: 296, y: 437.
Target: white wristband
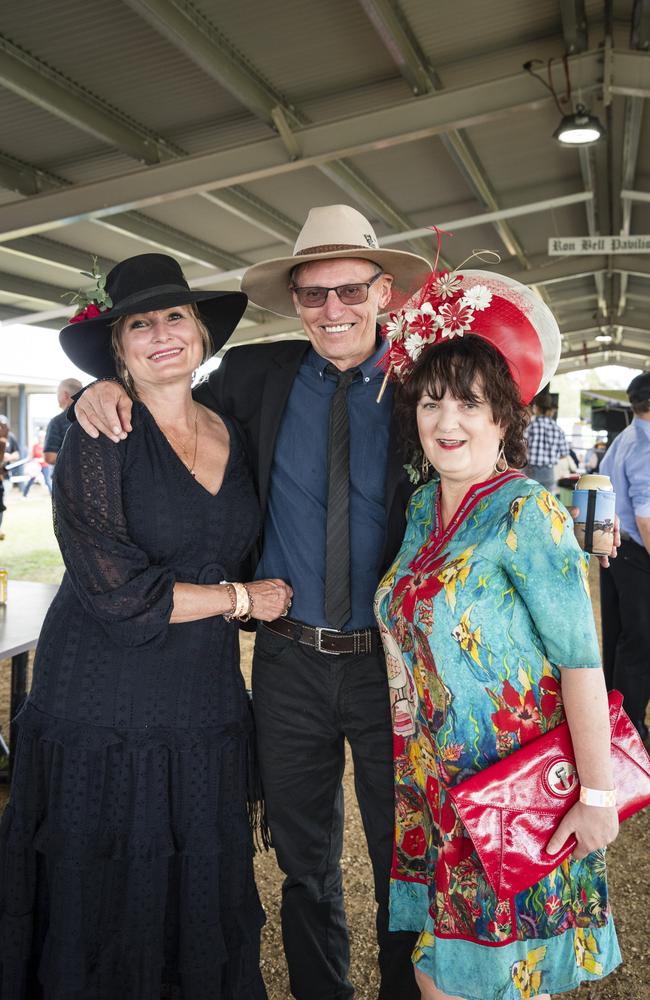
x: 606, y: 798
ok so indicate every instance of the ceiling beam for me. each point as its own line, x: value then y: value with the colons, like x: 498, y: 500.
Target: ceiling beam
x: 10, y: 314
x: 61, y: 255
x: 620, y: 350
x: 379, y: 129
x: 627, y: 195
x: 484, y: 218
x: 205, y: 45
x: 255, y: 212
x: 633, y: 117
x: 134, y: 225
x: 404, y: 49
x: 163, y: 237
x: 39, y: 84
x: 640, y: 34
x: 574, y: 26
x: 629, y: 328
x: 23, y: 179
x: 571, y: 268
x: 592, y: 209
x: 27, y: 288
x: 42, y: 85
x: 575, y: 32
x: 395, y: 32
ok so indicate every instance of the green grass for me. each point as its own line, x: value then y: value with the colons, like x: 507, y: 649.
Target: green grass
x: 29, y: 550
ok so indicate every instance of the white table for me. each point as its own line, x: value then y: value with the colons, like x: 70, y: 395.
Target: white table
x: 21, y: 619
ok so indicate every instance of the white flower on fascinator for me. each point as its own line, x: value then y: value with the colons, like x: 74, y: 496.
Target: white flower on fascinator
x: 447, y: 285
x: 426, y: 307
x: 396, y: 326
x: 456, y: 318
x: 414, y: 344
x: 478, y: 297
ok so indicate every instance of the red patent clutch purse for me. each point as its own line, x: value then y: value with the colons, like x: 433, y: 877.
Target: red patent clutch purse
x: 511, y: 809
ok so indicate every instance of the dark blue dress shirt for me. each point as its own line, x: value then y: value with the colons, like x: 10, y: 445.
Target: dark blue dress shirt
x: 294, y: 530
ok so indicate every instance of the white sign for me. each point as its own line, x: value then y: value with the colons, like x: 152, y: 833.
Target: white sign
x: 561, y: 246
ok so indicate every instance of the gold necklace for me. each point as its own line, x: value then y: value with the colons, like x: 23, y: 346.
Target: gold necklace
x: 188, y: 465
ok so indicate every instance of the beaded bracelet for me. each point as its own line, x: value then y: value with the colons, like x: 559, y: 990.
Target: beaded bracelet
x: 241, y: 602
x: 232, y: 594
x: 251, y: 604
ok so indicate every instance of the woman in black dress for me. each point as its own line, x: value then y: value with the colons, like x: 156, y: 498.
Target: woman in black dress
x: 126, y: 850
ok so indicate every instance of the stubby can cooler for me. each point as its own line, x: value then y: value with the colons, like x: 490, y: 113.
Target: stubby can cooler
x: 596, y: 503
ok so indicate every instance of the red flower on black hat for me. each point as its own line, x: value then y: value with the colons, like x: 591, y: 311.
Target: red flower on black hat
x: 93, y: 302
x: 88, y: 312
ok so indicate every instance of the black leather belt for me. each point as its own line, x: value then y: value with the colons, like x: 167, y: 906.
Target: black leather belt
x: 326, y: 640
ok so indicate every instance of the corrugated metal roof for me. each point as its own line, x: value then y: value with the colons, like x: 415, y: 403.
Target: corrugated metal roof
x: 328, y: 60
x: 301, y: 48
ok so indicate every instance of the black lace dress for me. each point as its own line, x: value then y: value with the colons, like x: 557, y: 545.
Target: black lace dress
x: 126, y: 853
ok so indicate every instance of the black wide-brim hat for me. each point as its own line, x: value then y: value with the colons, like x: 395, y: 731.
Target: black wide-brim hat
x: 141, y: 284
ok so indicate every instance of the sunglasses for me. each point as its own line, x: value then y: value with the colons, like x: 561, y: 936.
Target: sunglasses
x: 351, y: 294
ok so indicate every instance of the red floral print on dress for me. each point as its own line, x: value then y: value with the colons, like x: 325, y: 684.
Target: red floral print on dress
x: 519, y: 714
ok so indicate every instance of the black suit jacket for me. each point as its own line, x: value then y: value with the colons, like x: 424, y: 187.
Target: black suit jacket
x: 252, y: 384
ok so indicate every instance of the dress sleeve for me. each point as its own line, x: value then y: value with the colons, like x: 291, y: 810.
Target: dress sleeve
x: 420, y: 515
x: 548, y: 570
x: 112, y: 577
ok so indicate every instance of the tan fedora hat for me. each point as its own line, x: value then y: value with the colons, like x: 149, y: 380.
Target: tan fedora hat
x: 331, y: 232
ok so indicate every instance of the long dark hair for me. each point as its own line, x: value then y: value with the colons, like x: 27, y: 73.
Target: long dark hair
x: 460, y: 366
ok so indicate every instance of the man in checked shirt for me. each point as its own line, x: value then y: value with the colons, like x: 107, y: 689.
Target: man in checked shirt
x: 546, y: 443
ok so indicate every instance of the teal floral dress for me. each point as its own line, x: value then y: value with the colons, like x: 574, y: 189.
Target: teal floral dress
x: 476, y: 620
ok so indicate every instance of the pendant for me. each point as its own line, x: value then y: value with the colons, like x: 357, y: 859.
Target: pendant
x: 192, y: 473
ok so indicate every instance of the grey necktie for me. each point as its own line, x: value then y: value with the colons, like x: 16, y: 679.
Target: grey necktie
x: 337, y: 550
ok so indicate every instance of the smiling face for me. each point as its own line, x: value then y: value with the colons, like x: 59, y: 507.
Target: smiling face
x: 344, y: 335
x: 162, y: 346
x: 459, y: 436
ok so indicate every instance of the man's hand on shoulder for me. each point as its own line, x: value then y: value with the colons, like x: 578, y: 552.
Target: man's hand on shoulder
x: 105, y: 408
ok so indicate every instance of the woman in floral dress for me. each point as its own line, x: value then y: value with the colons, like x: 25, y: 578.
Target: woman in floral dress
x: 490, y: 641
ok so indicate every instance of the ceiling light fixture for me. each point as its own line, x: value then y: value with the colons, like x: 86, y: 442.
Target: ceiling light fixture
x: 579, y: 129
x: 604, y: 338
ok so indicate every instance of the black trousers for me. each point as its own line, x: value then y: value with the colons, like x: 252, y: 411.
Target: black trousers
x: 625, y: 614
x: 306, y: 705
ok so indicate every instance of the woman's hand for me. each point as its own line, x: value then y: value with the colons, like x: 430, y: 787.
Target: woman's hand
x: 271, y: 599
x: 592, y: 826
x: 105, y: 407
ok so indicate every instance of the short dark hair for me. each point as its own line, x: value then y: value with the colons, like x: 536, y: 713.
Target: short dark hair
x: 641, y: 408
x: 457, y: 365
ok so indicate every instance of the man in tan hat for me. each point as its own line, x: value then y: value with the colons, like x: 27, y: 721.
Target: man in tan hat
x: 333, y: 493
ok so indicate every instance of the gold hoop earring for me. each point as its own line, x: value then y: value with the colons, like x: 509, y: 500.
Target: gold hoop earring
x: 501, y: 464
x: 424, y: 466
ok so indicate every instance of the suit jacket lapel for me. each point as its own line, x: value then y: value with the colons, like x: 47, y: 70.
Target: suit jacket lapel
x: 277, y: 386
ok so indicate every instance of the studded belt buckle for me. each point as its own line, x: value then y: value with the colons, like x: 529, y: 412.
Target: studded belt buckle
x: 319, y: 641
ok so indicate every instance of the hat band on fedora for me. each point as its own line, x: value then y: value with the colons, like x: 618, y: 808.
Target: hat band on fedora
x: 333, y: 247
x: 147, y: 293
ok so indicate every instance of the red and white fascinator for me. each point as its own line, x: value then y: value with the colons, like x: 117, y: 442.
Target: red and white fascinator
x: 507, y: 314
